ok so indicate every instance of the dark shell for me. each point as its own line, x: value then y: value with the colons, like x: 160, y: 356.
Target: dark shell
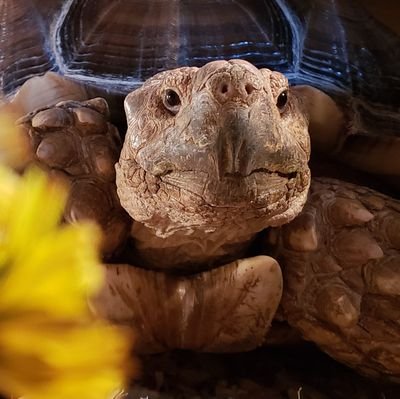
x: 334, y: 45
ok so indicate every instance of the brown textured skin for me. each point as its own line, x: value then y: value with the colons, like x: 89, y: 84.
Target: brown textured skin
x: 187, y: 177
x: 218, y: 168
x: 75, y: 143
x: 227, y: 309
x: 341, y: 268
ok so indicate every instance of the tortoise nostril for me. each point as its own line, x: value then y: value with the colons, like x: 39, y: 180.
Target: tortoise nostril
x: 224, y: 88
x: 233, y: 88
x: 249, y: 88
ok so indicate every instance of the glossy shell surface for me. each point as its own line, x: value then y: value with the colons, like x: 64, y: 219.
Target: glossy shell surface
x: 334, y: 44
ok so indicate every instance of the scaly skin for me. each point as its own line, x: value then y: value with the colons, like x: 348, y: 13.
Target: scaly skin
x: 75, y: 143
x: 341, y: 268
x: 204, y: 177
x: 201, y: 178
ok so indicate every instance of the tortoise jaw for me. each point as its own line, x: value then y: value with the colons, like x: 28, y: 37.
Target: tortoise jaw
x: 286, y: 175
x: 233, y: 175
x: 211, y: 215
x: 260, y: 189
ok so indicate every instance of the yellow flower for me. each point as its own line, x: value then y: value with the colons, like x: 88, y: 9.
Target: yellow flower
x: 50, y: 344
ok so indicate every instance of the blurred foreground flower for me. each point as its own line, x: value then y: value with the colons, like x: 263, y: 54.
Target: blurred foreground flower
x: 13, y: 144
x: 50, y: 344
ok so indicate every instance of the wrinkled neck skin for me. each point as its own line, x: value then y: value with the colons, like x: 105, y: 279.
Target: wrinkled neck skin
x: 190, y: 250
x: 198, y: 248
x: 203, y: 177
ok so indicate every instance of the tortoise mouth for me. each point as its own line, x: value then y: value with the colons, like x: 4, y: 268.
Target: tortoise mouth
x: 196, y: 201
x: 189, y: 218
x: 287, y: 175
x: 236, y: 175
x: 261, y: 188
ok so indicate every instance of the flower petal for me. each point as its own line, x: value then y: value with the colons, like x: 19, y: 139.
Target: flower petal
x: 57, y: 276
x: 13, y: 143
x: 62, y: 360
x: 36, y: 209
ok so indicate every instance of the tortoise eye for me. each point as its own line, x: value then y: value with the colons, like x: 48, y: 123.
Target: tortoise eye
x: 172, y: 101
x: 282, y: 99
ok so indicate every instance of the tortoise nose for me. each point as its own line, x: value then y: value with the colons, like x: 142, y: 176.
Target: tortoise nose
x: 226, y: 87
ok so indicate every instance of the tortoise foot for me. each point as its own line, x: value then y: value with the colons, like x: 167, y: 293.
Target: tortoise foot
x: 74, y: 142
x: 228, y: 309
x: 341, y: 260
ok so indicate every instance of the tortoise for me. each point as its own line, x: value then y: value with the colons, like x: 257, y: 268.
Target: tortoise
x: 211, y: 220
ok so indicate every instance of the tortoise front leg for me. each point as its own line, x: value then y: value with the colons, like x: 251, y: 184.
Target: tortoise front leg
x: 73, y: 141
x: 341, y: 267
x: 228, y: 309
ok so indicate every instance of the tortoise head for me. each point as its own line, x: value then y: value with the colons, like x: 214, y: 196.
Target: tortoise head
x: 205, y: 147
